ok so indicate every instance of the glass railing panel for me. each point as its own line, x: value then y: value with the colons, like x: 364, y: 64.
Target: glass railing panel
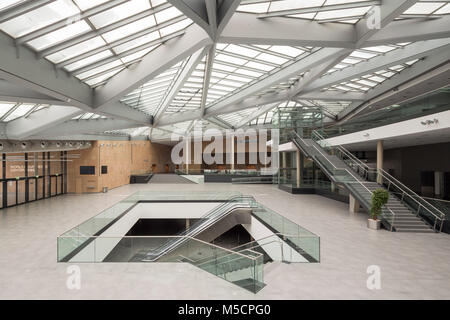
x: 242, y: 269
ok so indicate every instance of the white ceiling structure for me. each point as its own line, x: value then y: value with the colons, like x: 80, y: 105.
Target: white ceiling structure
x: 152, y: 67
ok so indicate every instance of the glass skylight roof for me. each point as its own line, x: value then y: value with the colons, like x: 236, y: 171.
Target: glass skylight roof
x: 348, y: 11
x: 428, y: 8
x: 370, y: 81
x: 95, y: 40
x: 189, y: 97
x: 150, y: 96
x: 365, y: 54
x: 88, y: 116
x: 236, y: 67
x: 12, y: 110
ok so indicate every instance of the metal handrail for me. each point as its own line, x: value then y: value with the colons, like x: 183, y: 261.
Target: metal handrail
x: 345, y: 169
x: 391, y: 180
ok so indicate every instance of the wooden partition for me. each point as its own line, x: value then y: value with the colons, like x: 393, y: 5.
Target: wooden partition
x: 120, y: 159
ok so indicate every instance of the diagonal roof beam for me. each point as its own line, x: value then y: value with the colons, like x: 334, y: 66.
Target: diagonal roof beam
x: 381, y: 95
x: 221, y: 123
x: 211, y: 10
x: 395, y: 57
x: 15, y: 93
x: 22, y: 8
x: 207, y: 77
x: 64, y: 22
x: 39, y: 121
x: 19, y: 65
x: 411, y: 30
x: 74, y: 127
x: 226, y: 10
x: 94, y: 33
x: 319, y: 57
x: 190, y: 66
x: 196, y: 10
x: 341, y: 6
x: 257, y: 114
x: 389, y: 10
x: 151, y: 65
x: 118, y: 110
x: 245, y: 28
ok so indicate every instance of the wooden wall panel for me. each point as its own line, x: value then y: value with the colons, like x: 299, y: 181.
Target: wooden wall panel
x: 123, y: 158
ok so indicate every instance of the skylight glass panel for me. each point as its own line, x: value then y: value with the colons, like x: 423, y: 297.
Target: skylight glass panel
x: 8, y: 3
x: 60, y: 35
x: 39, y: 18
x: 130, y: 28
x: 369, y: 81
x: 119, y: 12
x: 18, y: 112
x: 424, y: 7
x: 89, y: 60
x: 348, y: 11
x: 76, y: 50
x: 87, y: 4
x: 189, y: 97
x: 167, y: 14
x: 5, y: 107
x: 150, y: 96
x: 236, y: 67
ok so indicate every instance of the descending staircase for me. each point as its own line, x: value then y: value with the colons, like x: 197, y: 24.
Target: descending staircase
x: 405, y: 210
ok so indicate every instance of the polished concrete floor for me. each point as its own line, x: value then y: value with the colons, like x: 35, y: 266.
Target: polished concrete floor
x: 413, y: 266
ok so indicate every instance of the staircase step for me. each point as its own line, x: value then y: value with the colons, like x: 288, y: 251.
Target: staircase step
x: 416, y: 230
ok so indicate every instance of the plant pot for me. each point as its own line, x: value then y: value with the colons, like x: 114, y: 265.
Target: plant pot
x: 374, y: 224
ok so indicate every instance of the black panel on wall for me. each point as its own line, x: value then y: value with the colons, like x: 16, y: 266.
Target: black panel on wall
x: 104, y: 169
x: 84, y: 170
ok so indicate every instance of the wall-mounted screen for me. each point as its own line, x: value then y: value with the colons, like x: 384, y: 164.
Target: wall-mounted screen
x: 87, y: 170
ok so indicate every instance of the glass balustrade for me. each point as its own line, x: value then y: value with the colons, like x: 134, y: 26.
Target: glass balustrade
x: 244, y: 269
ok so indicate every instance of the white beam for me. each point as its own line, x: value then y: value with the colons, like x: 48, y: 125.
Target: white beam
x: 19, y: 65
x: 75, y: 127
x: 211, y: 9
x: 190, y: 66
x: 245, y: 28
x: 207, y: 77
x: 13, y: 93
x: 411, y: 30
x: 395, y: 57
x: 311, y: 61
x: 21, y: 8
x: 389, y: 10
x: 224, y: 13
x: 257, y: 114
x: 153, y: 64
x: 39, y: 121
x: 195, y: 10
x: 119, y: 110
x: 390, y: 92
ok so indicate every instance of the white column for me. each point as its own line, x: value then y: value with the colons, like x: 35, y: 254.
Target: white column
x: 353, y: 204
x: 299, y: 169
x: 379, y: 160
x: 187, y: 153
x: 232, y: 153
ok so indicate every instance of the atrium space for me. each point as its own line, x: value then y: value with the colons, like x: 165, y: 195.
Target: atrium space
x: 225, y: 150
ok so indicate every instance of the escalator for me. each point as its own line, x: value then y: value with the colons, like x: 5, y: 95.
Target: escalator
x: 405, y: 210
x: 209, y: 226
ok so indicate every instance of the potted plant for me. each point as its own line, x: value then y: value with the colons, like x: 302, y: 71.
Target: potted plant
x: 379, y: 198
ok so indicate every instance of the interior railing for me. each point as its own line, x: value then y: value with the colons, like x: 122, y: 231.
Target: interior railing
x: 203, y: 223
x: 418, y: 204
x: 345, y: 176
x: 241, y: 268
